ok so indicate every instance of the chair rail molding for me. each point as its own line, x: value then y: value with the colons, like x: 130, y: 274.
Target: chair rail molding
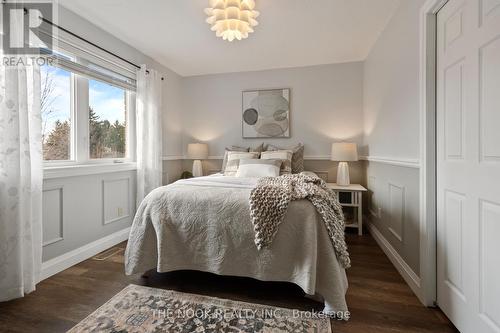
x: 172, y: 157
x: 402, y: 162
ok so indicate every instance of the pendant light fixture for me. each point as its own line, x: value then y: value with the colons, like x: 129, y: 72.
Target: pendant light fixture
x: 232, y: 19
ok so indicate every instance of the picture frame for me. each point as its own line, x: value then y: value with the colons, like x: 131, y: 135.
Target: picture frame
x: 266, y: 113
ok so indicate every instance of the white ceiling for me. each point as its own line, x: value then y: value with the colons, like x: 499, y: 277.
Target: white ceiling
x: 291, y: 33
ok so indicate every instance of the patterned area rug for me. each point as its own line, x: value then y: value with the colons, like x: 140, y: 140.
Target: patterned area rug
x: 141, y: 309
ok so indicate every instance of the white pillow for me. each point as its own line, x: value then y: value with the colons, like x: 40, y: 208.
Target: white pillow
x: 258, y: 168
x: 233, y: 160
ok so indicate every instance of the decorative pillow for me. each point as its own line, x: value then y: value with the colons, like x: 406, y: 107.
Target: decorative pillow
x: 260, y: 148
x: 284, y: 155
x: 255, y: 168
x: 228, y: 149
x: 233, y: 161
x: 297, y: 158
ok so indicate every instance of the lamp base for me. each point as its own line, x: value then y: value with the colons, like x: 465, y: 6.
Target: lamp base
x: 343, y: 174
x: 197, y: 169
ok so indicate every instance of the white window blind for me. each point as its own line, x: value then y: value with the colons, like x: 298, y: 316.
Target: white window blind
x: 94, y: 71
x: 84, y: 59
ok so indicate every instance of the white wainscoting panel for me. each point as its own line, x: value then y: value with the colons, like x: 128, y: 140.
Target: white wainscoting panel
x: 490, y: 101
x: 489, y: 271
x: 396, y: 210
x: 394, y: 207
x: 116, y: 199
x: 373, y: 192
x: 52, y: 220
x: 402, y: 267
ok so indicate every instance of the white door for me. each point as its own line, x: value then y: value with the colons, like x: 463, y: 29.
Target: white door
x: 468, y: 164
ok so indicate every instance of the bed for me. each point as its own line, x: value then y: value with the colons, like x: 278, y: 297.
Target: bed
x: 204, y: 224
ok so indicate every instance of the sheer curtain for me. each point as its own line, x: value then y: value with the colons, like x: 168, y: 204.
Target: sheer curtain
x: 21, y: 177
x: 149, y: 134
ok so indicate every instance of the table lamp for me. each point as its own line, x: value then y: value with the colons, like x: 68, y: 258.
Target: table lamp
x: 197, y: 152
x: 344, y: 152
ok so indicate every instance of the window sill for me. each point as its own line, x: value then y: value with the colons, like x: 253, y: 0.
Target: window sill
x: 86, y: 169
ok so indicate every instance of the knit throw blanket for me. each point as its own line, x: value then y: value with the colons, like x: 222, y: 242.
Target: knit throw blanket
x: 269, y: 201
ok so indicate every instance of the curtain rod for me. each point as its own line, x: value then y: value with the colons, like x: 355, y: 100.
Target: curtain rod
x: 89, y: 42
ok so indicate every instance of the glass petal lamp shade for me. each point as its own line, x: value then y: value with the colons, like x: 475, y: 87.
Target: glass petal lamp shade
x: 232, y: 19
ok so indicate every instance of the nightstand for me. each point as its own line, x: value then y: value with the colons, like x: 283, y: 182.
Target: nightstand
x: 351, y: 196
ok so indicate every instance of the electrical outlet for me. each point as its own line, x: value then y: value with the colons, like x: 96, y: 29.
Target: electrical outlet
x: 120, y: 211
x: 377, y: 213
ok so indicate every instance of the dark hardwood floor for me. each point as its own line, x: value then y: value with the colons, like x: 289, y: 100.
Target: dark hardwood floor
x: 378, y: 298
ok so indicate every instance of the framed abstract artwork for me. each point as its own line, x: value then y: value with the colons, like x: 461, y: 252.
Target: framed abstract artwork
x: 266, y: 113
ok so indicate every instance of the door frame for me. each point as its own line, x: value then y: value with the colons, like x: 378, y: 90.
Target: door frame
x: 427, y: 174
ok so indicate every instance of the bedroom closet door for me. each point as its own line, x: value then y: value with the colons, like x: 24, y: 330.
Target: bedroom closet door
x: 468, y: 164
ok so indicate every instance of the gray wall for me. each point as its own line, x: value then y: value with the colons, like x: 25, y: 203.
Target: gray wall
x: 391, y: 87
x: 80, y: 210
x: 391, y: 130
x: 326, y: 105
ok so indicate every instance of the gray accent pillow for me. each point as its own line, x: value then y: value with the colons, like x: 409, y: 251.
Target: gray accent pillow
x: 284, y: 155
x: 228, y: 149
x: 297, y: 157
x: 259, y: 148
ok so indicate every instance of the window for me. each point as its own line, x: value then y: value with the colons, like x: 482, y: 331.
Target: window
x: 107, y: 120
x: 56, y: 113
x: 87, y: 110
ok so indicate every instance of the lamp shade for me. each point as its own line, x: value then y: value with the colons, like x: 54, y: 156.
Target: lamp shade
x: 344, y: 152
x: 197, y: 151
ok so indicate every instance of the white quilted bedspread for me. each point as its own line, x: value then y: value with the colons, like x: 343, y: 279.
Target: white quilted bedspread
x: 204, y: 224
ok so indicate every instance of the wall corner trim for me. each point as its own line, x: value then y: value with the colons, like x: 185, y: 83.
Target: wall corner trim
x: 71, y: 258
x: 411, y: 278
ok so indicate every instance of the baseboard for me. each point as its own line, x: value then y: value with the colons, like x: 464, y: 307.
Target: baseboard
x: 411, y: 278
x: 65, y: 261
